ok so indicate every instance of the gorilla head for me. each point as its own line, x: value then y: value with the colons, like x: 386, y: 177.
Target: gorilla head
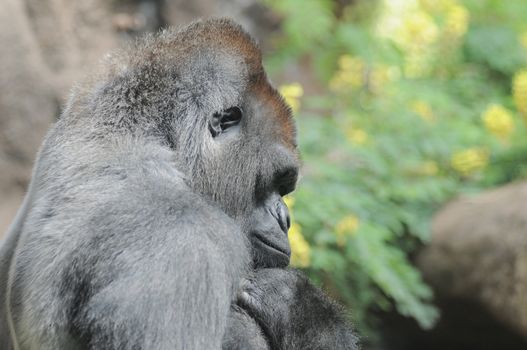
x: 204, y: 93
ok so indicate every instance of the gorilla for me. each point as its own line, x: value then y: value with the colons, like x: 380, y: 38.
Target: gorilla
x: 154, y: 218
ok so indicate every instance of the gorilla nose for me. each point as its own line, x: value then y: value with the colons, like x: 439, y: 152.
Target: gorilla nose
x: 281, y: 213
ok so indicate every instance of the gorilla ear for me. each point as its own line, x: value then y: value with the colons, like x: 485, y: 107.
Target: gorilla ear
x: 222, y: 121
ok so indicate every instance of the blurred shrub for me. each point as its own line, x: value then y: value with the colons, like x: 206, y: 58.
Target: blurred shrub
x: 423, y: 99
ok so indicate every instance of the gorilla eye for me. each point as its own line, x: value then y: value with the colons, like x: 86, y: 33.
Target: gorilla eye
x: 221, y: 121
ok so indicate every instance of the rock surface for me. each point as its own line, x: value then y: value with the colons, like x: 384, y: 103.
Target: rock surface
x: 47, y: 45
x: 479, y: 252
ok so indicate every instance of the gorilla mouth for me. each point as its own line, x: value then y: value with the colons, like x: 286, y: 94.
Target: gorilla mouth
x: 272, y: 245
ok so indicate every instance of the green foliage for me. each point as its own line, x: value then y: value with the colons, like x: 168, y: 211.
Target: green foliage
x: 484, y: 42
x: 409, y: 117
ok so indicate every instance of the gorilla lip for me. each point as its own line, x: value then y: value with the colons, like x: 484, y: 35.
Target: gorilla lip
x: 271, y: 245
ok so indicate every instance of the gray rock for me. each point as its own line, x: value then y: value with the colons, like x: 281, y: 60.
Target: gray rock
x: 479, y: 252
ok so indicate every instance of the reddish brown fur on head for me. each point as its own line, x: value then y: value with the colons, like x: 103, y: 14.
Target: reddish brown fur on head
x: 280, y: 111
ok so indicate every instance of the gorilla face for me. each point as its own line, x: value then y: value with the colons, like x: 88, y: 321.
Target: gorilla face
x: 233, y: 135
x: 232, y: 129
x: 261, y: 165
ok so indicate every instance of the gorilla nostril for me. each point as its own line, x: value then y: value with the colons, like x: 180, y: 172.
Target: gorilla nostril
x: 276, y: 207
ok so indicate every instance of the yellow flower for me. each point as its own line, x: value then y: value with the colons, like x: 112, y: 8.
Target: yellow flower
x: 418, y: 28
x: 423, y: 110
x: 346, y: 228
x: 350, y: 73
x: 519, y: 92
x: 292, y: 94
x: 417, y: 63
x: 498, y: 121
x: 470, y: 160
x: 347, y: 62
x: 457, y: 20
x: 300, y: 249
x: 289, y: 201
x: 357, y: 136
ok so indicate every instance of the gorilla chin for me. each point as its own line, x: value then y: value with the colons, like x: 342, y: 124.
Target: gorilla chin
x: 268, y: 235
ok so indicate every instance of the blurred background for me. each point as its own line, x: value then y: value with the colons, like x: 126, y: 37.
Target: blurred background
x: 412, y: 205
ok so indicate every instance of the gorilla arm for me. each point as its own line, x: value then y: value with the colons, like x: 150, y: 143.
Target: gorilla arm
x: 7, y: 250
x: 294, y: 314
x: 180, y: 287
x: 133, y: 264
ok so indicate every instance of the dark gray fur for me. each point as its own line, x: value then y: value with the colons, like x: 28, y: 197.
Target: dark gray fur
x: 134, y: 232
x: 293, y: 314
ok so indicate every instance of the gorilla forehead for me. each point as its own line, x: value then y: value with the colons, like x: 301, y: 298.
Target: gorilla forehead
x: 219, y: 35
x: 215, y: 50
x: 215, y: 61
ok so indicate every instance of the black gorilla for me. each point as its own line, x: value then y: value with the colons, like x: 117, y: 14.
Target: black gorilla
x: 153, y: 198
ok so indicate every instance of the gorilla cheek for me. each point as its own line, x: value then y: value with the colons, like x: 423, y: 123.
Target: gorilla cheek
x: 268, y: 234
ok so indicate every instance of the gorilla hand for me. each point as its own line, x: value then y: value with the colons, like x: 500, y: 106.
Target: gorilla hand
x: 293, y: 313
x: 243, y: 333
